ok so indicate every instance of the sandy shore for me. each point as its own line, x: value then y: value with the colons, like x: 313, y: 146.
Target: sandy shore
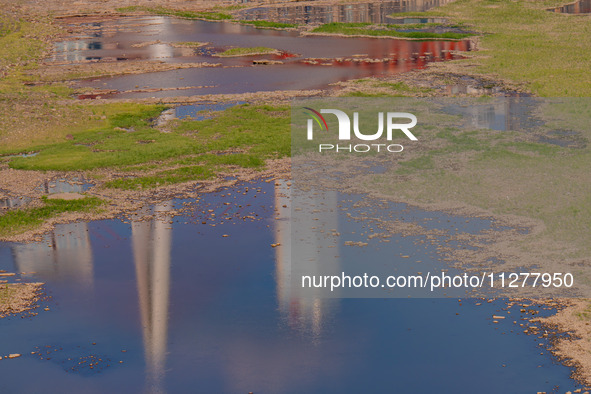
x: 574, y: 349
x: 17, y: 298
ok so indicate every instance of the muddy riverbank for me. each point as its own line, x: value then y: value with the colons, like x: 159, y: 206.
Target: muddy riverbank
x: 19, y: 298
x: 18, y: 184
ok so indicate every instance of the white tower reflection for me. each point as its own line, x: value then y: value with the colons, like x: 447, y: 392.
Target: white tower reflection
x: 316, y: 243
x: 151, y: 241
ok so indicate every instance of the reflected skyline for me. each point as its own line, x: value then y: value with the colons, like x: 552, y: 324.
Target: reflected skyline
x: 304, y: 311
x: 200, y: 310
x: 64, y: 255
x: 377, y: 12
x: 151, y: 243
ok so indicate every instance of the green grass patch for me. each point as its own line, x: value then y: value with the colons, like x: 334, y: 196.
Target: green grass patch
x: 525, y: 43
x: 269, y: 24
x: 420, y: 163
x: 376, y: 88
x: 418, y: 14
x: 246, y: 51
x: 245, y: 136
x: 191, y: 168
x: 244, y: 160
x: 163, y: 178
x: 18, y: 221
x: 371, y: 94
x: 188, y: 44
x: 22, y: 44
x: 402, y: 88
x: 217, y: 16
x: 368, y: 29
x: 232, y: 7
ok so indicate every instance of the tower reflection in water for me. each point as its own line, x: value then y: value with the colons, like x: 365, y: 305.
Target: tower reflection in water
x: 304, y: 309
x: 151, y: 242
x: 66, y: 256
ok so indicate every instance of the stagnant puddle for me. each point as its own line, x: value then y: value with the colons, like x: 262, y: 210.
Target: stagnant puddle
x: 194, y: 111
x: 378, y: 12
x: 303, y: 61
x: 13, y: 202
x: 515, y: 114
x: 203, y: 300
x: 64, y: 185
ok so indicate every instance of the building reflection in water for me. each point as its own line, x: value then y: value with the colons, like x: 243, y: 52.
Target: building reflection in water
x: 502, y: 114
x: 102, y: 46
x: 64, y: 255
x: 578, y: 7
x: 375, y: 12
x: 305, y: 310
x: 151, y: 242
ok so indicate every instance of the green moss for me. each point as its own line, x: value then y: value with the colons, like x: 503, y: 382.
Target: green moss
x: 420, y: 163
x: 247, y: 51
x: 23, y: 43
x: 245, y: 136
x: 269, y: 24
x: 188, y: 44
x: 162, y: 178
x: 385, y: 89
x: 367, y: 29
x: 18, y: 221
x: 370, y: 94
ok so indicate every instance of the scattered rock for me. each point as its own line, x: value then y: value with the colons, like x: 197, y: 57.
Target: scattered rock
x: 266, y: 61
x: 353, y: 243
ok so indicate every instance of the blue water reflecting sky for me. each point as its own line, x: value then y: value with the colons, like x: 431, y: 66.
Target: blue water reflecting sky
x: 171, y: 305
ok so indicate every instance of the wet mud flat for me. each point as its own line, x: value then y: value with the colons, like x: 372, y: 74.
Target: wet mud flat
x: 147, y: 300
